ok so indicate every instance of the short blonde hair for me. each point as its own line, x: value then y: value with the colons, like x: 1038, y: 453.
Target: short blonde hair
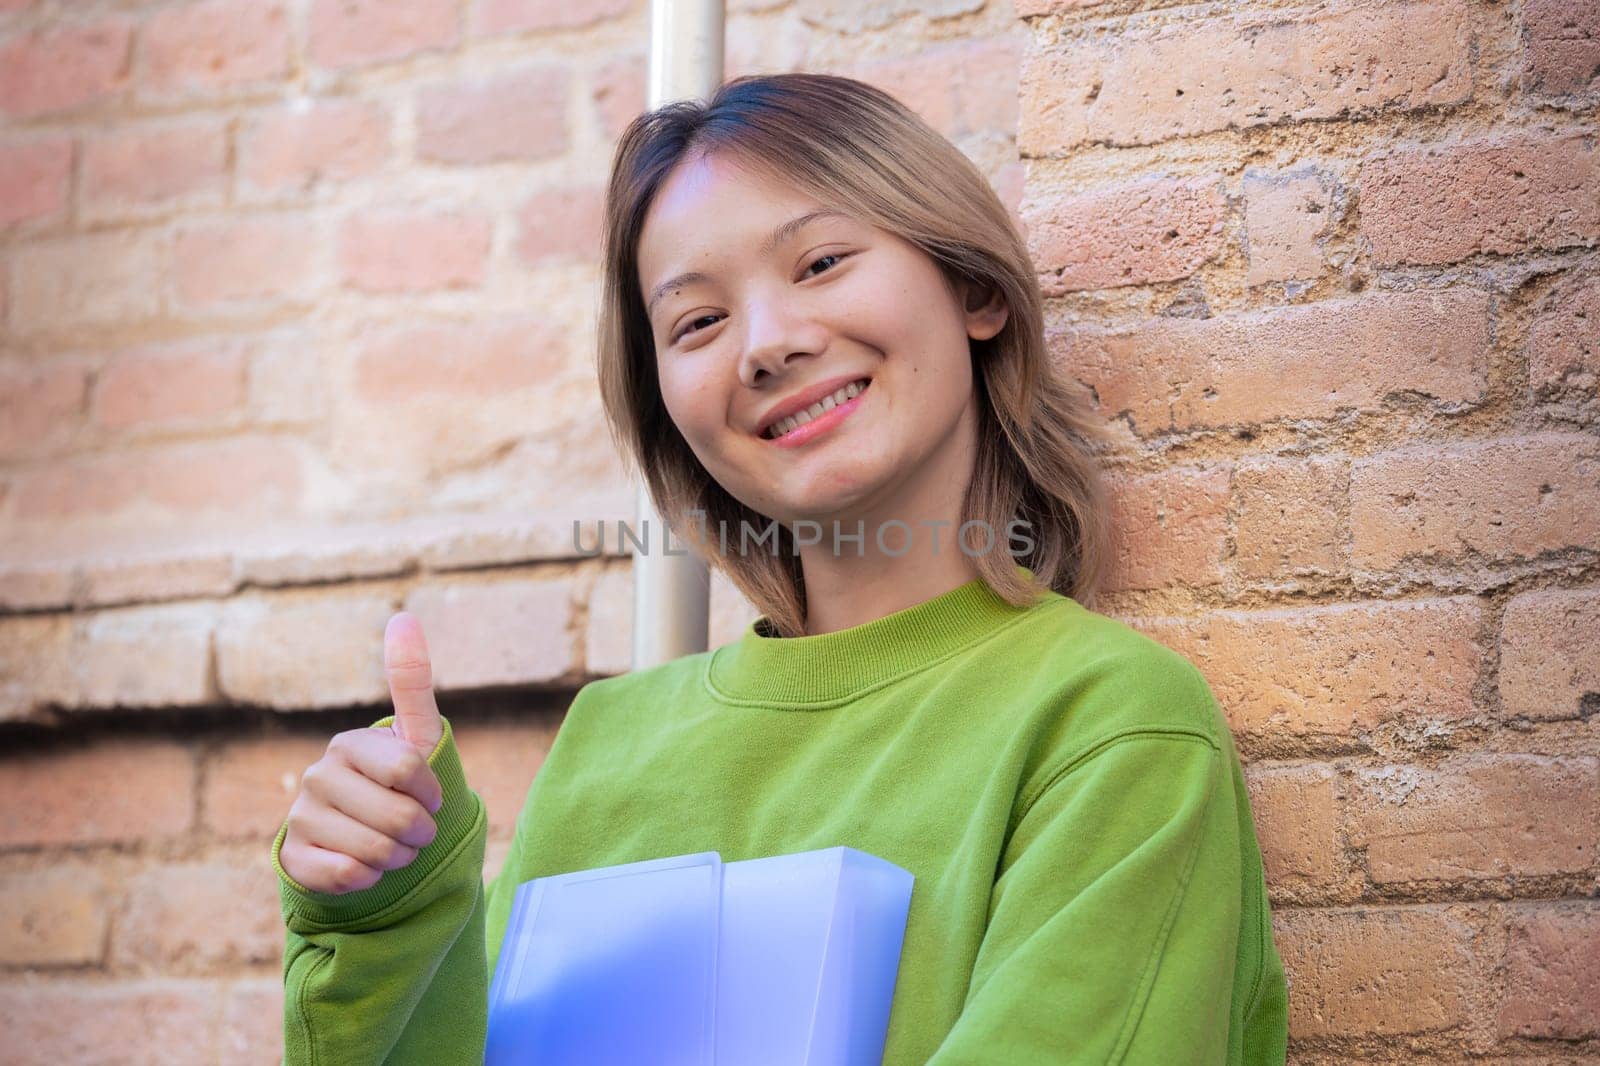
x: 858, y: 149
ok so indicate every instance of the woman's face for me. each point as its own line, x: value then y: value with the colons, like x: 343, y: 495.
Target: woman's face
x: 835, y: 300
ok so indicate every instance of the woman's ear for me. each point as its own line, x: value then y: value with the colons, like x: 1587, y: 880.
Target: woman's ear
x: 986, y: 311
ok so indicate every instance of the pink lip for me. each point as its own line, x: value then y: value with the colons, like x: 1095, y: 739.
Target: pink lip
x: 821, y: 424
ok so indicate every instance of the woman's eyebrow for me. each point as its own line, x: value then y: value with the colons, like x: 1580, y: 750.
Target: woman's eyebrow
x: 776, y: 238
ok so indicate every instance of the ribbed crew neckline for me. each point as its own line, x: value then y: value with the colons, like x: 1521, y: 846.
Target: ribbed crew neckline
x: 817, y: 672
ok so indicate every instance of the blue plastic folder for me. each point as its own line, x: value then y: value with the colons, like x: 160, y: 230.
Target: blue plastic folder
x: 690, y: 961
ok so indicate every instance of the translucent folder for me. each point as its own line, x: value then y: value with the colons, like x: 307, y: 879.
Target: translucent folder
x: 788, y: 960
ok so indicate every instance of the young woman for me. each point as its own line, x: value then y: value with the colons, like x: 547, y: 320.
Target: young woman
x: 822, y: 348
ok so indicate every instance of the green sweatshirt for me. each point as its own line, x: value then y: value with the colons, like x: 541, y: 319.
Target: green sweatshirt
x: 1064, y: 789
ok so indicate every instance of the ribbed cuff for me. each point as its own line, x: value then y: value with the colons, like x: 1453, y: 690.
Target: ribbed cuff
x: 455, y: 819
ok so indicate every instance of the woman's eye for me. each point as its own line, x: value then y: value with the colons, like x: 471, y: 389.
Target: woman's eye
x: 825, y: 258
x: 690, y: 328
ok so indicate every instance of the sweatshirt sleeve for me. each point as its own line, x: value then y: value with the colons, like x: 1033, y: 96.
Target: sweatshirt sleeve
x: 397, y: 972
x: 1114, y: 917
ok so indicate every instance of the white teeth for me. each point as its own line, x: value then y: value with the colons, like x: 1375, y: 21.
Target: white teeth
x: 828, y: 403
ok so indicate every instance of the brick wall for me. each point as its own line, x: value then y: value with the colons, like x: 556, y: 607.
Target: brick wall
x: 297, y: 325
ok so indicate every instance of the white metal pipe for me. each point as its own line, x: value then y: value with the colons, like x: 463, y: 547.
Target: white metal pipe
x: 672, y: 593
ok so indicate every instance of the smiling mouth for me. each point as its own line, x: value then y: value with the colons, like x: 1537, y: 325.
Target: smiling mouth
x: 784, y: 426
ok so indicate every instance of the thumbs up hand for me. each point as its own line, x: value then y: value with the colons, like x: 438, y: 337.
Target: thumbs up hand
x: 366, y: 806
x: 405, y: 660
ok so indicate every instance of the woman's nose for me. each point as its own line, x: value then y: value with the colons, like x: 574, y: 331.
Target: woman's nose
x: 773, y: 333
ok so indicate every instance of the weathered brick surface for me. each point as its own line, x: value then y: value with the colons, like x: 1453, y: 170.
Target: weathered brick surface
x: 1551, y: 991
x: 1498, y: 499
x: 1288, y: 517
x: 112, y: 791
x: 342, y: 34
x: 250, y: 783
x: 88, y: 1020
x: 214, y: 45
x: 1477, y: 816
x: 501, y: 760
x: 35, y: 177
x: 162, y: 385
x: 1295, y: 362
x: 1133, y: 234
x: 1204, y: 74
x: 302, y: 651
x: 1378, y: 970
x: 520, y: 115
x: 1561, y: 46
x: 1331, y: 670
x: 1499, y: 196
x: 146, y: 656
x: 509, y: 631
x: 1171, y: 528
x: 154, y: 165
x: 1549, y: 658
x: 296, y: 148
x: 57, y: 70
x: 55, y: 917
x: 1563, y: 347
x: 1296, y: 812
x: 414, y: 252
x: 197, y: 917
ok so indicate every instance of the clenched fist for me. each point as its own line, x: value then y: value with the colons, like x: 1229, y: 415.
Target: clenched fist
x: 366, y: 806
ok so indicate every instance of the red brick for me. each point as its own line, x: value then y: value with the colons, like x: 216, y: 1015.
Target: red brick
x: 1288, y: 516
x: 477, y: 358
x: 297, y: 148
x: 252, y: 1021
x: 170, y: 384
x: 959, y: 88
x: 229, y: 477
x: 501, y: 761
x: 250, y: 784
x: 115, y: 790
x: 35, y: 664
x: 1286, y: 218
x: 40, y: 406
x: 608, y: 638
x: 510, y: 632
x: 1311, y: 361
x: 1335, y: 670
x: 35, y: 178
x: 1296, y: 811
x: 1561, y: 46
x: 145, y: 656
x: 1172, y: 528
x: 197, y: 572
x: 54, y: 917
x: 216, y: 44
x: 154, y: 164
x: 60, y: 69
x: 250, y: 258
x: 559, y: 223
x: 96, y: 279
x: 1124, y: 86
x: 1513, y: 194
x: 618, y: 93
x: 1552, y: 980
x: 1500, y: 499
x: 514, y: 116
x: 187, y: 917
x: 1377, y: 971
x: 1135, y: 234
x: 352, y: 33
x: 1564, y: 338
x: 417, y: 252
x: 516, y: 16
x: 304, y: 650
x: 1477, y: 817
x: 47, y: 1023
x: 1549, y: 659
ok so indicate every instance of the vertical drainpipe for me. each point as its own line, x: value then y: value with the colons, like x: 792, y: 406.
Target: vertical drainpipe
x: 672, y: 593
